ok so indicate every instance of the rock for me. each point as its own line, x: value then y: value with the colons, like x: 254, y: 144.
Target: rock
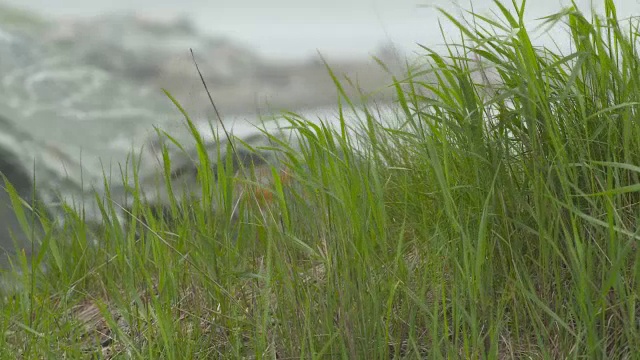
x: 66, y: 125
x: 68, y: 118
x: 70, y: 122
x: 155, y: 52
x: 11, y: 231
x: 142, y: 49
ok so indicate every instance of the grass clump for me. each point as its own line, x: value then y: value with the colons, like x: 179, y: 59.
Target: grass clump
x: 494, y: 219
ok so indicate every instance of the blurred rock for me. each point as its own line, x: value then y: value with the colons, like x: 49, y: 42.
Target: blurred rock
x: 64, y: 124
x: 77, y: 96
x: 142, y: 48
x: 156, y: 53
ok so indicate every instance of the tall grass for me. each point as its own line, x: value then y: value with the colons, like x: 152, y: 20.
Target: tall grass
x: 493, y: 221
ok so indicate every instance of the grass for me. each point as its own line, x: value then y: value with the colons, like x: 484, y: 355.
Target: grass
x: 490, y: 223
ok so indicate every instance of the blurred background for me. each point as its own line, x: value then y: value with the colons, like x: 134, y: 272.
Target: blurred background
x: 274, y: 28
x: 255, y: 54
x: 297, y: 28
x: 83, y: 78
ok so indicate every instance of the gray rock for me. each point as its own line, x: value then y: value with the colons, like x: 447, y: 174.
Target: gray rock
x: 12, y: 231
x: 67, y: 122
x: 71, y: 123
x: 155, y: 52
x: 131, y: 46
x: 66, y: 125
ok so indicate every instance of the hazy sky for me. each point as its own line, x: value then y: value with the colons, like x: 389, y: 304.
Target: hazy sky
x: 285, y: 28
